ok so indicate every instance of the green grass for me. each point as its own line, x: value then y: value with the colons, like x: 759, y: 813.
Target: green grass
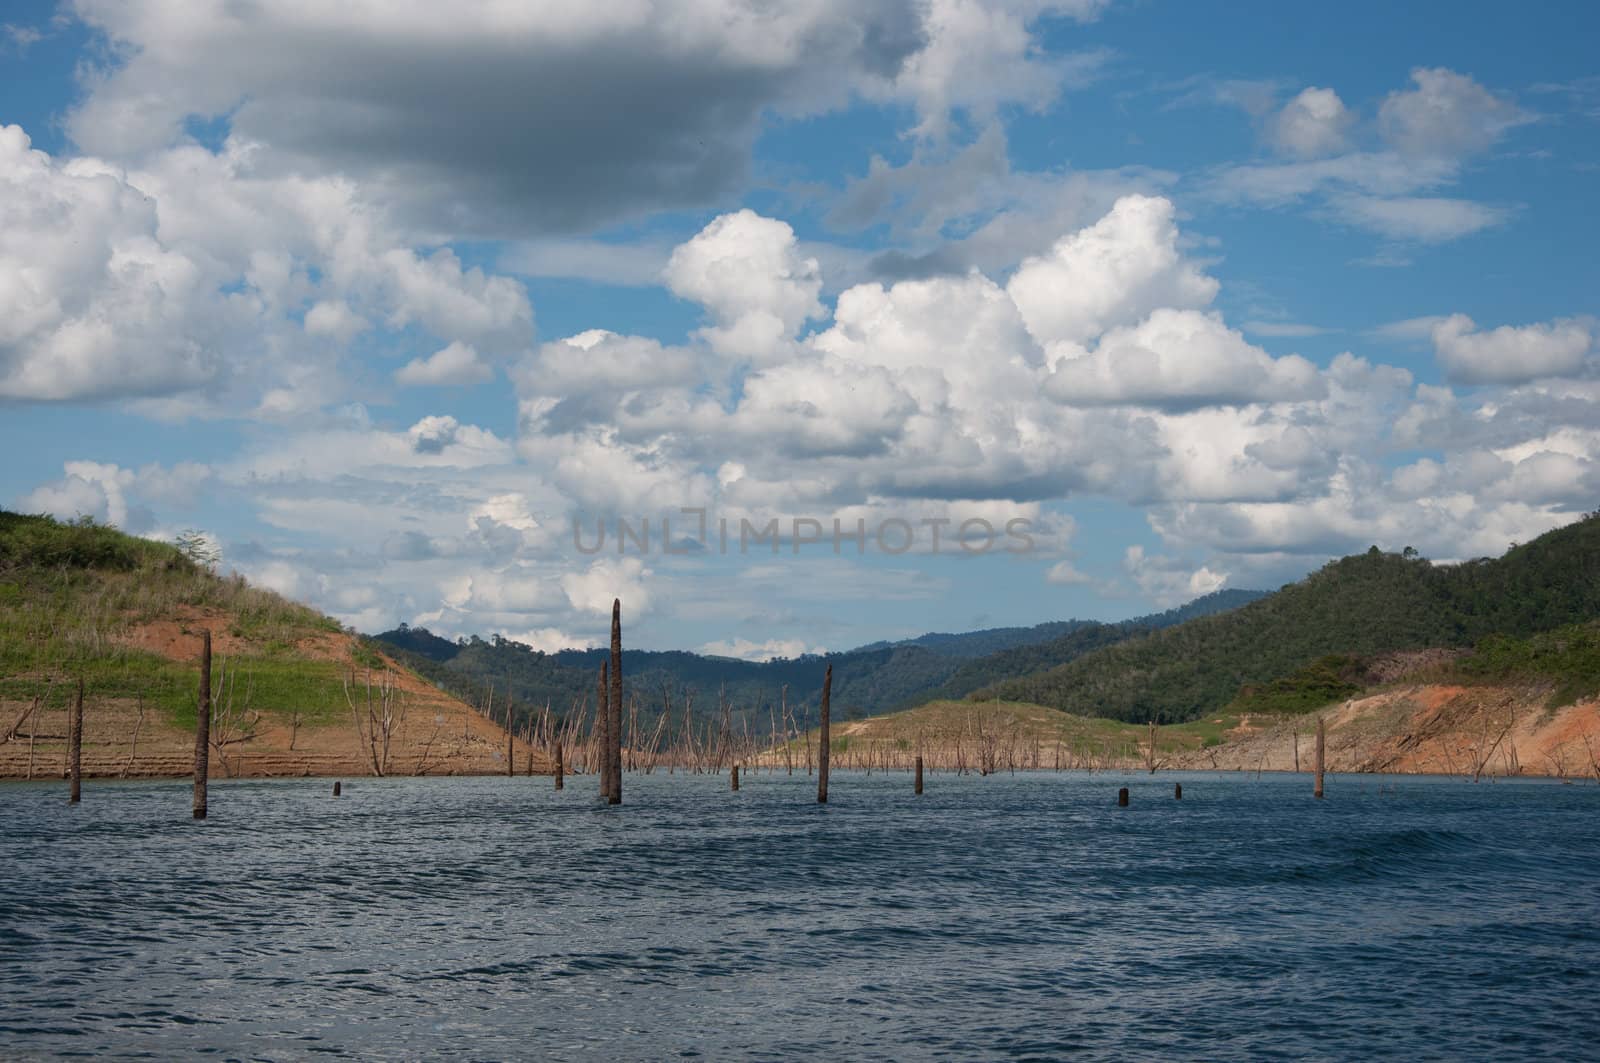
x: 73, y: 592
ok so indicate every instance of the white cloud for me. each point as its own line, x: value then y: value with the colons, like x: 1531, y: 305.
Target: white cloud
x: 1446, y: 115
x: 1112, y: 273
x: 456, y: 365
x: 1170, y: 581
x: 1311, y: 125
x: 461, y: 116
x: 1424, y: 218
x: 746, y: 650
x: 593, y: 589
x: 748, y: 272
x: 1178, y: 359
x: 1510, y: 354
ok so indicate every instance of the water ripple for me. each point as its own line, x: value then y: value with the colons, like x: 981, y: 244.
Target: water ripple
x: 1004, y: 918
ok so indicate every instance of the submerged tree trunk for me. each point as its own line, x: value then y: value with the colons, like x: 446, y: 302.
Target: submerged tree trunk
x: 75, y: 741
x: 822, y: 738
x: 615, y: 709
x: 202, y: 729
x: 1321, y: 742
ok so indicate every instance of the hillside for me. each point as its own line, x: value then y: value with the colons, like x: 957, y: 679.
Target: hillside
x: 124, y: 615
x: 877, y: 678
x: 1358, y: 606
x: 993, y: 736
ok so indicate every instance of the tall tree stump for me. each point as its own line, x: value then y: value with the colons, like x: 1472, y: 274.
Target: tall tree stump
x: 75, y: 745
x: 1122, y: 797
x: 561, y: 771
x: 202, y: 729
x: 1321, y: 744
x: 615, y: 709
x: 917, y: 786
x: 822, y: 738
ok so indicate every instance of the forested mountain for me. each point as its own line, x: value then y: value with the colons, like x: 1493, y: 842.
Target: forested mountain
x: 1364, y: 604
x: 873, y: 679
x: 996, y: 640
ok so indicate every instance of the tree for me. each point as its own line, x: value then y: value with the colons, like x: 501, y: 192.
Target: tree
x: 198, y: 547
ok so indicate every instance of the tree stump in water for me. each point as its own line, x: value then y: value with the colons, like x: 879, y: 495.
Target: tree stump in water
x: 75, y: 742
x: 822, y: 739
x: 202, y: 729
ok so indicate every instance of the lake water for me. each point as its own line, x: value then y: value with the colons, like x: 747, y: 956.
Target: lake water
x: 1004, y: 917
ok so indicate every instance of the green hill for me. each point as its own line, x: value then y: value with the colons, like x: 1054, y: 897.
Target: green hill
x: 1357, y: 606
x: 881, y: 677
x: 83, y: 600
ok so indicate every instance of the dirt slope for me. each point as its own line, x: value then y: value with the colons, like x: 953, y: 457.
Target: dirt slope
x: 1495, y: 730
x: 431, y: 732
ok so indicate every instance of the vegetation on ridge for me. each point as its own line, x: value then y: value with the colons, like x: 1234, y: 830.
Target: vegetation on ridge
x: 1356, y: 606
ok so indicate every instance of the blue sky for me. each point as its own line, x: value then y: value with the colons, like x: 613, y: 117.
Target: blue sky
x: 1206, y: 293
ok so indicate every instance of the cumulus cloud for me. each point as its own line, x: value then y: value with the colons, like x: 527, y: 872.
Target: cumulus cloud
x: 1511, y: 353
x: 462, y: 115
x: 748, y: 272
x: 1447, y: 114
x: 746, y: 650
x: 1170, y: 581
x: 456, y: 365
x: 1311, y: 125
x: 194, y: 278
x: 1114, y: 272
x: 93, y: 302
x: 1181, y: 359
x: 1426, y: 133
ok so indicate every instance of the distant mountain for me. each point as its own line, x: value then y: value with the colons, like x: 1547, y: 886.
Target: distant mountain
x: 866, y: 681
x: 1361, y: 605
x: 994, y: 640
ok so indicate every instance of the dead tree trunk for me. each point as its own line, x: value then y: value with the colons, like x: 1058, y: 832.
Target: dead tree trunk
x: 733, y: 779
x: 615, y: 708
x: 917, y: 788
x: 561, y: 771
x: 1321, y: 747
x: 202, y: 729
x: 75, y: 740
x: 822, y: 738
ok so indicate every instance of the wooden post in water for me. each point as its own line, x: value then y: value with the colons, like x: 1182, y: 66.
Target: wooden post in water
x: 336, y: 788
x: 615, y: 726
x: 822, y: 738
x: 511, y: 752
x: 202, y: 729
x: 733, y: 779
x: 75, y: 740
x: 1151, y: 756
x: 1321, y: 741
x: 561, y: 771
x: 1122, y: 797
x: 917, y: 786
x: 1177, y: 791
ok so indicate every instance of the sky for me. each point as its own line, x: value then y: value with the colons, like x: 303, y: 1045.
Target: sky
x: 953, y: 313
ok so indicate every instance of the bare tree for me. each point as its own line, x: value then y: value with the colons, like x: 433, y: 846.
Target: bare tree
x: 378, y: 711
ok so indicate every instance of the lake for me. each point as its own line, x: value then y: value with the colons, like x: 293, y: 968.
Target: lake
x: 1015, y: 917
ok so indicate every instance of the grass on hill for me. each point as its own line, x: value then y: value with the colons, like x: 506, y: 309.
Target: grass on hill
x: 72, y: 592
x: 1014, y: 726
x: 1357, y: 606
